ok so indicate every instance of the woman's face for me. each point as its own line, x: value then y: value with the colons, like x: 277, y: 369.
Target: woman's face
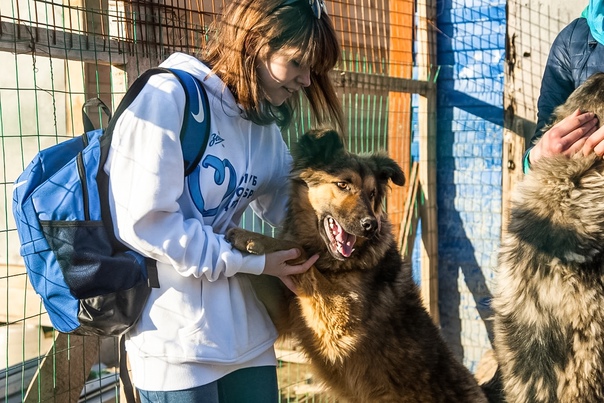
x: 281, y: 75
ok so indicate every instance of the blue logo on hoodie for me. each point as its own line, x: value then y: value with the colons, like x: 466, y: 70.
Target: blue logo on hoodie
x: 223, y: 169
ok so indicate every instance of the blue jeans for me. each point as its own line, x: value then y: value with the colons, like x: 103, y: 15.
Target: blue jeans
x: 247, y: 385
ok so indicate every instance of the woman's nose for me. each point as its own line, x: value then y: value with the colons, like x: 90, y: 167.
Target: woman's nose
x: 304, y: 77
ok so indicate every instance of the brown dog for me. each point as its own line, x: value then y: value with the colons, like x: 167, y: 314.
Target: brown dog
x: 549, y: 299
x: 358, y: 315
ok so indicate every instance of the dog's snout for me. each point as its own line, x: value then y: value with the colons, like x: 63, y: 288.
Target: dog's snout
x: 369, y: 224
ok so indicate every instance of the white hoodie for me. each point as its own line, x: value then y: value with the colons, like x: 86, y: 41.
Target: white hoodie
x: 204, y: 321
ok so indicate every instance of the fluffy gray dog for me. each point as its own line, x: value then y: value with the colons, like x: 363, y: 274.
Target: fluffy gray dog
x: 549, y: 297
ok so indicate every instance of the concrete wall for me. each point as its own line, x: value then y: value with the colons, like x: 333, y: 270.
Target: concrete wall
x: 487, y: 103
x: 471, y: 55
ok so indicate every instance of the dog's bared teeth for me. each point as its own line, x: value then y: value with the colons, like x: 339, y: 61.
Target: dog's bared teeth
x: 334, y: 227
x: 337, y: 230
x: 341, y: 241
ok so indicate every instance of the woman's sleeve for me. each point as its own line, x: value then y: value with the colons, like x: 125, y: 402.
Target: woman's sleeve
x: 146, y: 172
x: 557, y: 82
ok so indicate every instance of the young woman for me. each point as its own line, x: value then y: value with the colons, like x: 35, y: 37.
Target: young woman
x: 575, y: 55
x: 204, y: 336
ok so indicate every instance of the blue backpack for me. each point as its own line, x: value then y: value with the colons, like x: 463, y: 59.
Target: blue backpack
x: 90, y: 283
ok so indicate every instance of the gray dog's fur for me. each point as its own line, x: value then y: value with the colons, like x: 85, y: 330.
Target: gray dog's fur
x: 549, y: 298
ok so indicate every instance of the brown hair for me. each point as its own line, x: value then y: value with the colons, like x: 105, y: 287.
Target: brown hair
x: 249, y: 27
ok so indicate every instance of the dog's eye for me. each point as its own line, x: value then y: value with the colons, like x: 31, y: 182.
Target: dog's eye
x: 342, y: 185
x: 372, y: 194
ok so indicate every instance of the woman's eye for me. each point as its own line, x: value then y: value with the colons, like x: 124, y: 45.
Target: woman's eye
x: 296, y: 63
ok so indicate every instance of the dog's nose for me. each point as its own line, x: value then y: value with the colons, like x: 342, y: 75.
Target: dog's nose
x: 369, y: 224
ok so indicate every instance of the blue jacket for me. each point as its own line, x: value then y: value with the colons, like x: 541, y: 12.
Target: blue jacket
x: 574, y: 56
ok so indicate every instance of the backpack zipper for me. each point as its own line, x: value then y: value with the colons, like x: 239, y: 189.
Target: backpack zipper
x: 82, y: 174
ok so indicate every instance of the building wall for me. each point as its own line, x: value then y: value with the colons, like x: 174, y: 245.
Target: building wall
x: 487, y: 103
x: 471, y: 56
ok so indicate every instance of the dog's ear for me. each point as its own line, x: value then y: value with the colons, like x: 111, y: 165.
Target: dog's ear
x: 388, y: 169
x: 317, y: 146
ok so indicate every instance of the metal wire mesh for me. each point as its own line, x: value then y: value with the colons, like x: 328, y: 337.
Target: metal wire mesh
x: 55, y: 55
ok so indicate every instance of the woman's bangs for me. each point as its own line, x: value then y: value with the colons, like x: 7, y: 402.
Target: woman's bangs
x: 321, y: 49
x: 316, y: 38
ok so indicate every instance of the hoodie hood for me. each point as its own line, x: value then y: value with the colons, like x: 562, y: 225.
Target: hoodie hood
x: 213, y: 84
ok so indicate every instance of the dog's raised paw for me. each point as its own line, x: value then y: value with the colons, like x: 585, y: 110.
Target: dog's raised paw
x: 254, y: 247
x: 244, y: 241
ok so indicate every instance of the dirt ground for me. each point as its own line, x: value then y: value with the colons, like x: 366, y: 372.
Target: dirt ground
x: 296, y: 382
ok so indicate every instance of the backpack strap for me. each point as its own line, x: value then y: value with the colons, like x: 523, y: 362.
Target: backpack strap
x: 196, y: 122
x: 130, y: 392
x: 195, y: 129
x: 93, y: 102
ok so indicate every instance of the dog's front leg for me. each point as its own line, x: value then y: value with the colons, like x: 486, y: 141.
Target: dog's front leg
x: 260, y: 244
x: 331, y: 314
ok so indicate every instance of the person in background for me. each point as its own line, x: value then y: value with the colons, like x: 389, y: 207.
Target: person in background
x: 576, y: 53
x: 203, y: 335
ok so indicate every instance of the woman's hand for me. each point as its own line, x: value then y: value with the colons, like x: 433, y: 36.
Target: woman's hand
x: 595, y: 143
x: 276, y: 265
x: 569, y: 136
